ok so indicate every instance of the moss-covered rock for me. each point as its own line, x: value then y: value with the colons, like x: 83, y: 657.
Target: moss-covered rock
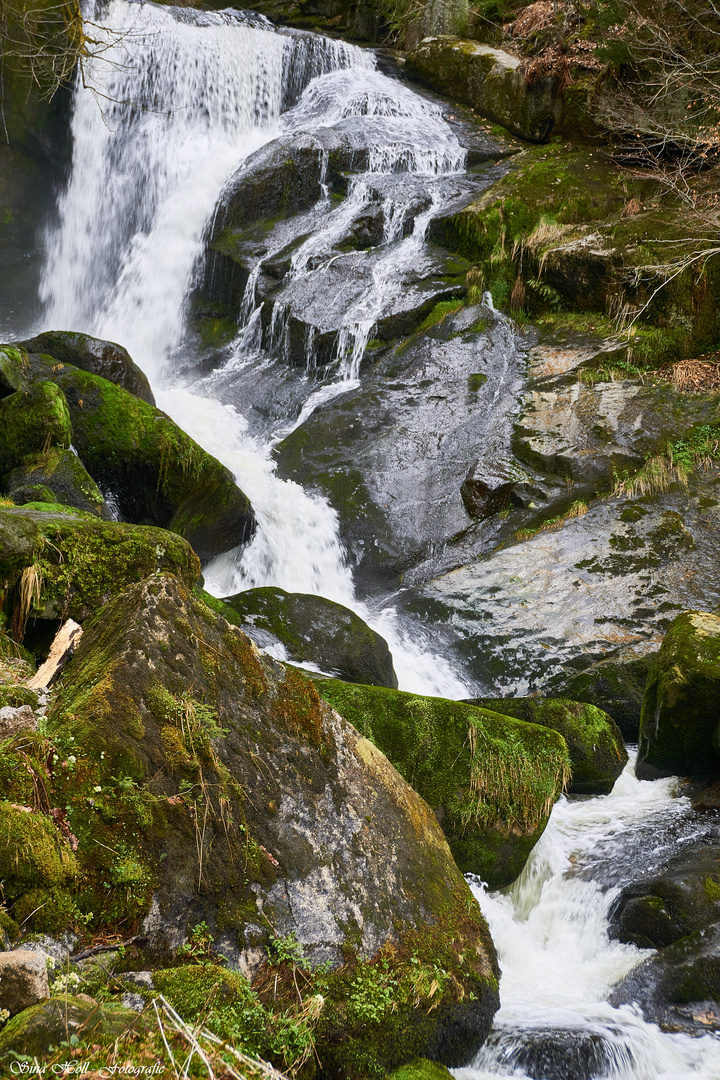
x: 31, y: 422
x: 59, y: 565
x: 491, y: 779
x: 317, y: 630
x: 617, y: 686
x: 676, y: 987
x: 680, y: 720
x: 491, y: 82
x: 13, y: 369
x: 684, y: 897
x: 35, y: 1030
x: 208, y: 783
x: 105, y: 358
x: 594, y: 742
x: 56, y: 476
x: 37, y: 865
x: 157, y: 474
x: 422, y: 1069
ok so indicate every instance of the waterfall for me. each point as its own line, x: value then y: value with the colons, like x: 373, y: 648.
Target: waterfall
x: 173, y: 104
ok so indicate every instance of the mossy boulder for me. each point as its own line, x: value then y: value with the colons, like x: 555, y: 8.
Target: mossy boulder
x: 56, y: 476
x: 678, y: 988
x: 113, y: 362
x: 37, y: 865
x: 422, y: 1069
x: 157, y: 474
x: 209, y: 783
x: 317, y: 630
x: 13, y: 369
x: 59, y: 565
x: 492, y: 780
x: 664, y: 907
x: 492, y: 82
x: 616, y: 685
x: 680, y: 720
x: 594, y: 742
x: 31, y: 422
x: 35, y: 1030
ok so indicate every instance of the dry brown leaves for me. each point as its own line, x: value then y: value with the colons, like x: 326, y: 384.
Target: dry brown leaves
x: 702, y: 373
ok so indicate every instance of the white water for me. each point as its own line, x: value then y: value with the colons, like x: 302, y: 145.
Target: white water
x: 558, y: 965
x: 185, y: 97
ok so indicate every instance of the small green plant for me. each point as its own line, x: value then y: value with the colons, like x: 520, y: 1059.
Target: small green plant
x: 199, y: 946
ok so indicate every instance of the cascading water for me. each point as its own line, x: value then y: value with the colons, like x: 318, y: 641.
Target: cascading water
x: 171, y: 108
x: 557, y: 963
x: 169, y: 113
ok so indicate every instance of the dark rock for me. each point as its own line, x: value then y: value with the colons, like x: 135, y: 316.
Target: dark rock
x: 617, y: 686
x: 662, y: 908
x: 596, y: 747
x: 317, y: 630
x: 491, y: 780
x: 104, y: 358
x: 63, y: 476
x: 553, y: 1053
x: 680, y: 721
x: 679, y: 987
x: 156, y: 473
x: 483, y: 499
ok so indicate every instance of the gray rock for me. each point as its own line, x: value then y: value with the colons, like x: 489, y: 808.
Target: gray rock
x: 13, y: 721
x: 133, y: 1001
x: 23, y: 979
x: 60, y: 949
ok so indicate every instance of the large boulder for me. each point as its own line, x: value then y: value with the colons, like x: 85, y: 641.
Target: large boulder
x: 63, y: 565
x: 678, y: 988
x: 491, y: 780
x: 616, y: 685
x: 156, y: 473
x: 91, y: 354
x: 492, y: 82
x: 680, y: 721
x: 316, y: 630
x: 210, y: 784
x: 596, y: 747
x: 663, y: 907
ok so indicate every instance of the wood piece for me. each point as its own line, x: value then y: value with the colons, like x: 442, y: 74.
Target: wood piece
x: 64, y: 644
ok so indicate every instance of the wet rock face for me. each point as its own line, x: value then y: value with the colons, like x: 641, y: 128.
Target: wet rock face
x: 392, y: 456
x: 680, y: 720
x: 617, y: 686
x: 536, y: 611
x: 596, y: 747
x: 662, y: 908
x: 307, y: 828
x: 105, y: 358
x: 316, y: 630
x: 679, y: 987
x: 492, y: 82
x: 491, y: 780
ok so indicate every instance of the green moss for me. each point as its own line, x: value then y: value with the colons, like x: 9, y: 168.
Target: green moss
x: 596, y: 747
x: 80, y: 562
x: 712, y: 890
x: 32, y: 855
x: 32, y: 421
x: 488, y: 776
x: 681, y: 707
x: 422, y: 1069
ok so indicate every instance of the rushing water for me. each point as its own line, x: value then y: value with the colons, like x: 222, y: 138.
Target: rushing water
x: 168, y: 114
x: 558, y: 964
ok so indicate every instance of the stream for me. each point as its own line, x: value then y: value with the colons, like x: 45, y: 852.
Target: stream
x: 177, y: 103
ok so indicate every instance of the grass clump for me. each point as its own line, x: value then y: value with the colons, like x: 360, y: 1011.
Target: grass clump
x: 578, y: 509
